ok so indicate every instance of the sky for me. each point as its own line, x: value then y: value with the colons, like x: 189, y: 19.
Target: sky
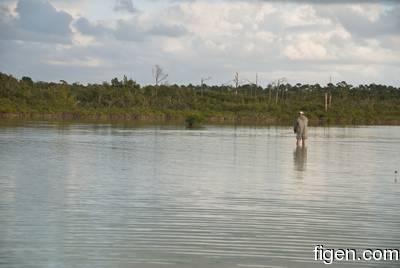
x: 306, y: 41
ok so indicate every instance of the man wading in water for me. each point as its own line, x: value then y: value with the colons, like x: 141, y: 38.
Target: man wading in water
x: 300, y: 128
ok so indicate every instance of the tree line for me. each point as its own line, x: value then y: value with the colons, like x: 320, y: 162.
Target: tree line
x: 339, y: 103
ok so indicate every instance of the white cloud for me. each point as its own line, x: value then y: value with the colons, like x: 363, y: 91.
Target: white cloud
x: 87, y: 62
x: 304, y: 42
x: 306, y: 50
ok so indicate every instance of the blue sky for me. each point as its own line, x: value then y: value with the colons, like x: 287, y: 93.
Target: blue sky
x: 304, y: 41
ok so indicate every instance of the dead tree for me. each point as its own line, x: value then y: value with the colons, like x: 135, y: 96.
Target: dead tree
x: 203, y: 80
x: 326, y: 101
x: 237, y: 82
x: 270, y: 91
x: 253, y: 85
x: 278, y: 83
x: 255, y: 90
x: 159, y: 75
x: 328, y: 95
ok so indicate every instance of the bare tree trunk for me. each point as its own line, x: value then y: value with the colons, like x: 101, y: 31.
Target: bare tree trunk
x: 326, y: 101
x: 255, y: 90
x: 269, y: 93
x: 159, y: 75
x: 202, y: 86
x: 277, y: 94
x: 236, y: 81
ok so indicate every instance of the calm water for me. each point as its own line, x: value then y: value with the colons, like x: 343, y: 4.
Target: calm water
x: 112, y: 196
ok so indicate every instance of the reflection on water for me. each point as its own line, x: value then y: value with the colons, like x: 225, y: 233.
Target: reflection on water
x: 124, y: 196
x: 300, y: 158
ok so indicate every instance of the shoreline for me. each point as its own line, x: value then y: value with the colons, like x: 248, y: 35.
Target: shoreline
x: 179, y: 119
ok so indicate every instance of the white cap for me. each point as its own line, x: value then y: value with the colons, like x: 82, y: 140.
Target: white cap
x: 301, y: 112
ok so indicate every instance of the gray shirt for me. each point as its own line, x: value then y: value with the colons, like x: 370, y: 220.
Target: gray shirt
x: 301, y: 127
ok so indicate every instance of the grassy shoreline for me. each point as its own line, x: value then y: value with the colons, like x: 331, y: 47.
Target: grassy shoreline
x: 179, y: 119
x: 125, y: 100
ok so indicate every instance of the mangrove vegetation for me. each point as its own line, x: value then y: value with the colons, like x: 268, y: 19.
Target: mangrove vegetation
x: 125, y: 99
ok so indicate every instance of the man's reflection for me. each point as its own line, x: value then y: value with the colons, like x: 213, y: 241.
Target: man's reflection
x: 300, y: 158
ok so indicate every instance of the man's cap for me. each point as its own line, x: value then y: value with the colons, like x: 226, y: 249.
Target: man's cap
x: 301, y: 112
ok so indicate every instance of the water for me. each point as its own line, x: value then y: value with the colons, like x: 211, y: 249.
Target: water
x: 112, y: 196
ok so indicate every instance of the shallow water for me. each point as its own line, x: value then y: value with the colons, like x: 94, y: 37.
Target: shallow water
x: 81, y: 195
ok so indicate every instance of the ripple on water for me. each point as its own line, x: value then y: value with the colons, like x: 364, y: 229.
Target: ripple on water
x: 109, y: 196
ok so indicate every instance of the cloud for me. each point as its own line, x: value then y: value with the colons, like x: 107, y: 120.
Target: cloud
x: 364, y: 21
x: 85, y: 62
x: 88, y: 28
x: 124, y: 5
x: 42, y: 17
x: 306, y: 42
x: 36, y: 21
x: 317, y: 2
x: 168, y: 30
x: 130, y: 30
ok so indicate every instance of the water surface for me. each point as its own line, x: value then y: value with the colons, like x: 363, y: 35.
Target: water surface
x: 79, y: 195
